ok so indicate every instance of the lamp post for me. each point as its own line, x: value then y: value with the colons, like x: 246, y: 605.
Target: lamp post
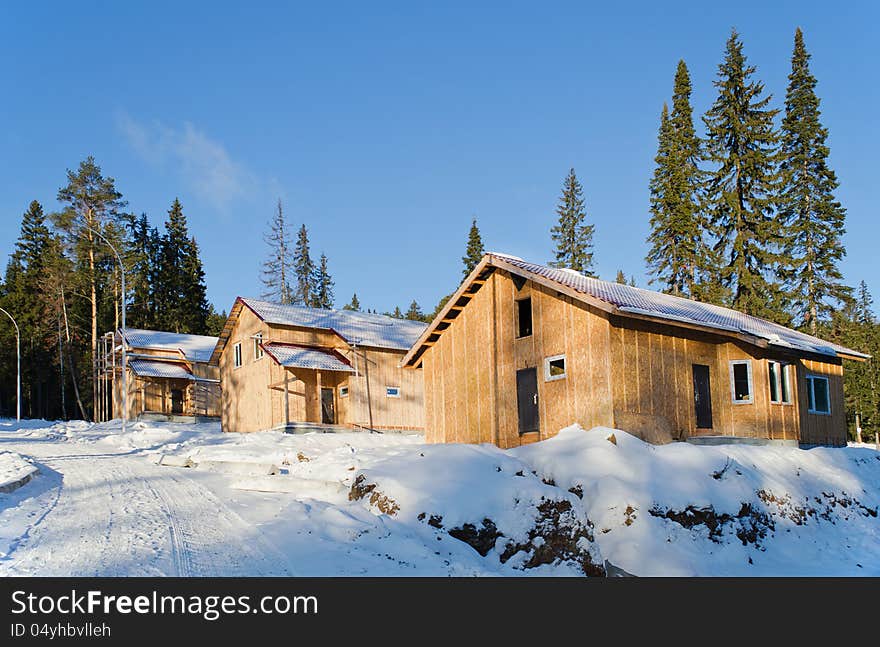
x: 17, y: 367
x: 124, y: 363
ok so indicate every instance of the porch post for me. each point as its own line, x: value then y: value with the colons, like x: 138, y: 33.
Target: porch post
x: 286, y: 396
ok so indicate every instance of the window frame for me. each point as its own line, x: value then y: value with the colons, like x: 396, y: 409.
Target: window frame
x: 548, y: 360
x: 389, y: 388
x: 236, y: 355
x: 811, y: 394
x: 259, y: 353
x: 343, y: 391
x: 783, y: 378
x: 751, y: 381
x: 518, y: 318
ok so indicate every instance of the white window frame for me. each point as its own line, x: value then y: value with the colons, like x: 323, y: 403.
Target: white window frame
x: 343, y: 391
x: 258, y: 350
x: 236, y: 355
x: 551, y: 378
x: 748, y: 364
x: 811, y: 394
x: 783, y: 374
x: 389, y: 395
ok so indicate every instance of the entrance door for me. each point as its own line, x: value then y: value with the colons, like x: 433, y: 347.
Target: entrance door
x: 702, y: 397
x: 177, y: 401
x: 328, y: 410
x: 527, y: 399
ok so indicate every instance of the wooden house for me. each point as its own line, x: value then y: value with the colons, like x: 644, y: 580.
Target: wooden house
x: 296, y: 368
x: 168, y: 375
x: 522, y: 350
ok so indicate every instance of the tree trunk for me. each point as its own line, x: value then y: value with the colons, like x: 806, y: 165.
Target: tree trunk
x: 94, y: 298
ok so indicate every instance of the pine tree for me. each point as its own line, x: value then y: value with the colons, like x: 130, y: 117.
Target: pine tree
x: 620, y: 278
x: 323, y: 297
x: 814, y: 219
x: 91, y: 204
x: 278, y: 267
x: 679, y: 257
x: 573, y: 237
x: 303, y: 270
x: 354, y: 304
x: 414, y: 313
x: 474, y: 252
x: 742, y: 144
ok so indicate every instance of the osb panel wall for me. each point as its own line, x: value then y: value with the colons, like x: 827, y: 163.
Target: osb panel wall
x: 470, y: 373
x: 819, y: 428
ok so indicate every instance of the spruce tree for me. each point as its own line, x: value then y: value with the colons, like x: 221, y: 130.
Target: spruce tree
x: 278, y: 267
x: 144, y: 263
x: 742, y: 144
x: 323, y: 297
x: 679, y: 257
x: 195, y: 309
x: 620, y: 278
x: 303, y: 270
x: 354, y: 304
x: 474, y: 251
x: 573, y: 237
x: 414, y: 313
x: 814, y: 219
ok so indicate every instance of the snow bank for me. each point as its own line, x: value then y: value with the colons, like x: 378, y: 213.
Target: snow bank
x: 682, y: 509
x: 15, y: 471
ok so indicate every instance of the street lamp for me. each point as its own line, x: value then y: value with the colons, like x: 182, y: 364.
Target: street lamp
x: 18, y: 366
x: 124, y: 363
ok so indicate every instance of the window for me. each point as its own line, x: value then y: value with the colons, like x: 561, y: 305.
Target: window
x: 818, y: 400
x: 392, y: 391
x: 780, y: 389
x: 741, y: 381
x: 554, y: 368
x: 343, y: 391
x: 236, y: 354
x: 258, y: 350
x: 524, y: 317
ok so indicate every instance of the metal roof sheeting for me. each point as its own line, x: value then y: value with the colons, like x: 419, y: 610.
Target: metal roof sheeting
x: 361, y: 328
x: 196, y: 348
x: 634, y: 300
x: 301, y: 357
x: 158, y: 368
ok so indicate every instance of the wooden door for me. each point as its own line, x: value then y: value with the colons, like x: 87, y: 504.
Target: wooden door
x: 527, y: 400
x: 702, y: 397
x: 328, y: 409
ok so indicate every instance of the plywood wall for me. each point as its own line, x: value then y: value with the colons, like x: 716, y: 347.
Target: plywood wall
x: 470, y: 373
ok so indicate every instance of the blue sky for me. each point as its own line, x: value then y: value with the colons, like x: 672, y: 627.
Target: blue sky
x: 386, y: 126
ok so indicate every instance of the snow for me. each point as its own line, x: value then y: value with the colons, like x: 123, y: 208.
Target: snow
x: 13, y: 469
x: 389, y: 505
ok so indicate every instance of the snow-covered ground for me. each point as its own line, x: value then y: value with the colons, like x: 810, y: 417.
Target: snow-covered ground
x: 105, y: 503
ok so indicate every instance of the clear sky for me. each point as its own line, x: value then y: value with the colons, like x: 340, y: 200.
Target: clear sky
x: 386, y: 126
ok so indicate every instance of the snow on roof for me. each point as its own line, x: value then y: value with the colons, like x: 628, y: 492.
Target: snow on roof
x: 302, y: 357
x: 159, y: 368
x: 629, y: 299
x: 196, y: 348
x: 361, y: 328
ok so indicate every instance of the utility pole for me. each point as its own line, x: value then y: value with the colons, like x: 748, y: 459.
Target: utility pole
x: 124, y: 330
x: 18, y: 366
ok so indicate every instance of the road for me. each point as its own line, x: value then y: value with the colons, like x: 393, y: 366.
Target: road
x: 99, y: 511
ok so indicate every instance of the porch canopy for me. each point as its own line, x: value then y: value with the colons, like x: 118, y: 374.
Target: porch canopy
x: 290, y: 356
x: 164, y: 369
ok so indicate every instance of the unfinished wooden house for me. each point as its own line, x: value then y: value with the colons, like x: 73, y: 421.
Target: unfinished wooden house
x: 169, y: 376
x: 522, y: 350
x: 300, y: 369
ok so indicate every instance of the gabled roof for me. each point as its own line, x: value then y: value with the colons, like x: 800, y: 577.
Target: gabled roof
x: 292, y: 356
x: 359, y: 328
x: 627, y: 301
x: 195, y: 348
